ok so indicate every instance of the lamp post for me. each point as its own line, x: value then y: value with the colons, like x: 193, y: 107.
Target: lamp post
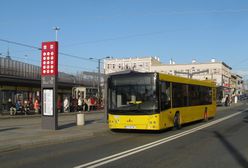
x: 56, y: 32
x: 99, y: 75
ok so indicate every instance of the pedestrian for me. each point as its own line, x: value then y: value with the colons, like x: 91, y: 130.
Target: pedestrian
x: 236, y: 99
x: 66, y: 105
x: 26, y: 107
x: 59, y: 105
x: 80, y: 104
x: 227, y: 101
x: 36, y: 106
x: 11, y: 107
x: 93, y: 103
x: 85, y: 104
x: 19, y: 106
x: 75, y: 104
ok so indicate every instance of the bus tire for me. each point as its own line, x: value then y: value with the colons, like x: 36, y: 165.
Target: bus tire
x: 177, y: 121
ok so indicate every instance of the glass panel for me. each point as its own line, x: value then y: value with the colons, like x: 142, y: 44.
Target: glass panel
x: 180, y: 95
x: 199, y: 95
x: 165, y: 95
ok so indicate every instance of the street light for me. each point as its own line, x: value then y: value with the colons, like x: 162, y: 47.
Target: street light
x: 56, y: 32
x: 99, y: 75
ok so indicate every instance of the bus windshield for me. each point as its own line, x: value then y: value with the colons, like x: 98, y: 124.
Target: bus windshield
x: 133, y: 95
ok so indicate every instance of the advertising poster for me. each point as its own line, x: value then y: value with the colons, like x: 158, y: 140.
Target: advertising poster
x: 48, y: 102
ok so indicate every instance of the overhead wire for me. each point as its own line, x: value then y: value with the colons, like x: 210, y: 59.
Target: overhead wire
x: 38, y: 48
x: 20, y: 44
x: 60, y: 65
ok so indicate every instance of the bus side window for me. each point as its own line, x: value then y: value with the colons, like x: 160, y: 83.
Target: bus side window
x: 179, y: 95
x: 165, y: 95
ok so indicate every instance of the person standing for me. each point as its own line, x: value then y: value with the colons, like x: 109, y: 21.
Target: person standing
x: 235, y: 99
x: 59, y: 105
x: 66, y: 105
x: 36, y: 106
x: 80, y: 104
x: 26, y: 107
x: 11, y: 107
x: 85, y: 104
x: 227, y: 101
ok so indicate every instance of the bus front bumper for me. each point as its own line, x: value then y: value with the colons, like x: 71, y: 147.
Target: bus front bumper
x: 139, y: 122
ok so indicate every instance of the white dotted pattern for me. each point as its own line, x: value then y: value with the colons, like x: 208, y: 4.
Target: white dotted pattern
x: 48, y: 60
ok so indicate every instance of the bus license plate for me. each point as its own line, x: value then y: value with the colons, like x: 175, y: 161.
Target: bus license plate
x: 130, y: 127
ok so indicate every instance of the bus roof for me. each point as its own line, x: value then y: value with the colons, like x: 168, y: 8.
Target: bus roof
x: 168, y: 77
x: 178, y: 79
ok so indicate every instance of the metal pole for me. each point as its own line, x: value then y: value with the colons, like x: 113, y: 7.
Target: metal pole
x: 99, y: 80
x: 56, y: 32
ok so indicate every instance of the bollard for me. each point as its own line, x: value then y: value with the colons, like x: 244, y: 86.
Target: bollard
x: 80, y: 119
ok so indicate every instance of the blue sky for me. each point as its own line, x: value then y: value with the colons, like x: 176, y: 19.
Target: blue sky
x: 181, y: 29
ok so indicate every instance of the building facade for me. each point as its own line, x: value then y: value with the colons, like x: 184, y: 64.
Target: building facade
x: 239, y: 85
x: 144, y: 64
x: 216, y: 71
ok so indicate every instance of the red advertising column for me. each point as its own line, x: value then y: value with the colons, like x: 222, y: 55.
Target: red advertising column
x: 49, y: 75
x: 49, y: 59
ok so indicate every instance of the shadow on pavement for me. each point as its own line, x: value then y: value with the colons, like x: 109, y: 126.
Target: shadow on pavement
x: 90, y: 122
x: 245, y: 119
x: 232, y: 150
x: 73, y: 124
x: 69, y: 125
x: 8, y: 129
x: 146, y: 132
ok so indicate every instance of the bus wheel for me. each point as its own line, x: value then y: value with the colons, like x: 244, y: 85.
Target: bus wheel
x: 177, y: 122
x: 205, y: 116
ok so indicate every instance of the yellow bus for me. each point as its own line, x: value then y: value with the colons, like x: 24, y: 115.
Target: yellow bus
x: 155, y: 101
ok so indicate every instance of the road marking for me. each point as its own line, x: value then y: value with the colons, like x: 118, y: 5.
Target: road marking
x: 126, y: 153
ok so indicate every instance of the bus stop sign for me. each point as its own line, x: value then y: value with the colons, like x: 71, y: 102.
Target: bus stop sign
x: 49, y: 73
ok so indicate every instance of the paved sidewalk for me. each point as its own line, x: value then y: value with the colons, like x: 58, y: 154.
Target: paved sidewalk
x: 18, y: 133
x: 233, y: 105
